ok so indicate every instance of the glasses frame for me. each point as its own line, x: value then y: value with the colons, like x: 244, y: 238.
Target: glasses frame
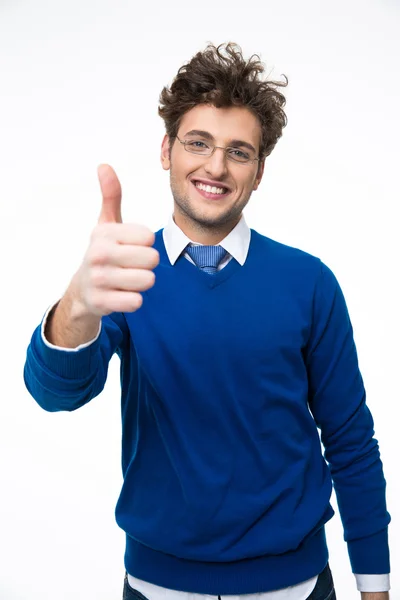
x: 224, y: 148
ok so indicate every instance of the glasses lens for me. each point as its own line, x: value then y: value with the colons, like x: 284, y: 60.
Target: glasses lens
x: 205, y: 149
x: 198, y: 147
x: 240, y: 156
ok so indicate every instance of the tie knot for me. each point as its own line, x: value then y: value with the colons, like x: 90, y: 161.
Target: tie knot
x: 207, y: 258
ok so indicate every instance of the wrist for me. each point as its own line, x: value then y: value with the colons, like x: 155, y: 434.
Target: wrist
x: 375, y: 596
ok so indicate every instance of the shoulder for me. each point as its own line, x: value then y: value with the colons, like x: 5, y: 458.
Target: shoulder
x: 284, y: 255
x: 300, y: 266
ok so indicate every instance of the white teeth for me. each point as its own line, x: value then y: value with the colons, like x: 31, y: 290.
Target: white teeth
x: 210, y: 189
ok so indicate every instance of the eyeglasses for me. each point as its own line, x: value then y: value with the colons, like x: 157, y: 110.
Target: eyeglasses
x: 202, y: 148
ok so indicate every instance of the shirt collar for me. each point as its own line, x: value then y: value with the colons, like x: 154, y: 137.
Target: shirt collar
x: 236, y: 243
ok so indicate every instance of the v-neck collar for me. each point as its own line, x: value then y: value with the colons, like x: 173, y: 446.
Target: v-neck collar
x: 211, y: 281
x: 192, y: 271
x: 236, y: 243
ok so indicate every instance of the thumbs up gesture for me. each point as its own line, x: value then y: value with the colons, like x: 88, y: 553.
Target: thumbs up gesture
x: 118, y: 263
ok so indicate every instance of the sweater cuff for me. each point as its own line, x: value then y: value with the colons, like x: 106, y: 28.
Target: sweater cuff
x: 370, y: 555
x: 68, y: 363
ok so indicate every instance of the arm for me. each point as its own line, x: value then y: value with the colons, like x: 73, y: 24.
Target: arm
x: 338, y: 404
x: 63, y: 378
x: 67, y: 358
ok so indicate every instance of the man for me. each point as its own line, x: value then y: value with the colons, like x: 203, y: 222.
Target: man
x: 234, y: 349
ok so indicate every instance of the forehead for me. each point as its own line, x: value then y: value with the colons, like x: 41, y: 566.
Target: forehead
x: 235, y: 122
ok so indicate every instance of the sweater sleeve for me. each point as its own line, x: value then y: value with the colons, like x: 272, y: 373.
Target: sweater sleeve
x: 64, y: 379
x: 337, y: 401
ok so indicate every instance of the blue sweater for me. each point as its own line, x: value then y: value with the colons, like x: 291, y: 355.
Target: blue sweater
x: 224, y: 381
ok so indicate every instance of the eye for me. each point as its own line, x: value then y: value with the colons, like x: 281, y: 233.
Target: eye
x: 239, y: 153
x: 197, y: 144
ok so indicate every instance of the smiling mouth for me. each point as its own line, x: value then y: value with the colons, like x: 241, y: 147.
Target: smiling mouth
x: 211, y: 192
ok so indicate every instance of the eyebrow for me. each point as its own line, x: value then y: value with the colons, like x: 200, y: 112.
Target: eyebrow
x: 208, y: 136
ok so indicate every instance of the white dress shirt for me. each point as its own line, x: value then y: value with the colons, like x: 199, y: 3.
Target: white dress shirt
x: 236, y: 243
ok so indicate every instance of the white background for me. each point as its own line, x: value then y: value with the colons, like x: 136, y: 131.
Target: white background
x: 79, y: 85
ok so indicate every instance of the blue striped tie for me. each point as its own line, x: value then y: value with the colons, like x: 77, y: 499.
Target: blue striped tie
x: 207, y: 258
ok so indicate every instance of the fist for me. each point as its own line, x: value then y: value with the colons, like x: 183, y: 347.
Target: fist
x: 119, y: 261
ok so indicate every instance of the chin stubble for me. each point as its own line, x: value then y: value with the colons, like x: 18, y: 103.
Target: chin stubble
x: 183, y: 202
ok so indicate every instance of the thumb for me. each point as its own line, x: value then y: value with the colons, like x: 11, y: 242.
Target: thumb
x: 111, y: 192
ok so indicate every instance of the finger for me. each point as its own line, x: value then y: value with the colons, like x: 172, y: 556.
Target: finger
x: 111, y: 195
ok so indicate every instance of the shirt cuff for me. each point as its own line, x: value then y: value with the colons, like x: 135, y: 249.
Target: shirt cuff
x: 373, y: 583
x: 50, y: 345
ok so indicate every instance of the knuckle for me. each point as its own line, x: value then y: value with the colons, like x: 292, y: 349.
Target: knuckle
x: 94, y: 300
x: 102, y: 229
x: 99, y: 254
x: 98, y: 277
x: 146, y: 235
x: 97, y: 232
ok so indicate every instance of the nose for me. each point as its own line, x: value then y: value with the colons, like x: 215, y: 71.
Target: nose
x: 216, y: 164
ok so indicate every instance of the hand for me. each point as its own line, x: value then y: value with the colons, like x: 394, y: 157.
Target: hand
x: 119, y: 260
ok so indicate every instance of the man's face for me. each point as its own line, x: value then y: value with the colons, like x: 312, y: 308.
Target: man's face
x: 193, y: 208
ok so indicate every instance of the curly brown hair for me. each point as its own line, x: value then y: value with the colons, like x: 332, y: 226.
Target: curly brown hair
x: 225, y: 81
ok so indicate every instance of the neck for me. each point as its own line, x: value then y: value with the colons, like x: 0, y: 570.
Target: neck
x: 201, y: 233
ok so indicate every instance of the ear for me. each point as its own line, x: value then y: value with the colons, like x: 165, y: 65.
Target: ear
x: 260, y: 173
x: 165, y: 148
